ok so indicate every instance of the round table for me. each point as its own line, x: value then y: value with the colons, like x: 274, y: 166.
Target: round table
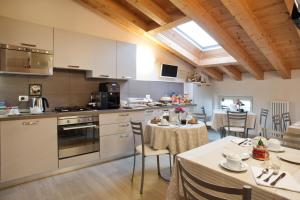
x: 177, y: 138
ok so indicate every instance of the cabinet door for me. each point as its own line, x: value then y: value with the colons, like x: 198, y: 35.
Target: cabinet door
x: 104, y: 64
x: 25, y: 34
x: 28, y: 147
x: 115, y: 146
x: 73, y: 50
x: 126, y: 60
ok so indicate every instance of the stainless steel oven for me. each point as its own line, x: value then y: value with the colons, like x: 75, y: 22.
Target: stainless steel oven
x: 78, y: 135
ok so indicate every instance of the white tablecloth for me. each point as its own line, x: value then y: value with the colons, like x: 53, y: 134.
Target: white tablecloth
x: 219, y: 120
x: 177, y: 138
x: 204, y: 163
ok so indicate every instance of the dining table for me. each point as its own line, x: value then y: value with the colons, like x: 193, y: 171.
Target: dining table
x: 204, y: 163
x: 175, y: 136
x: 219, y: 120
x: 291, y: 137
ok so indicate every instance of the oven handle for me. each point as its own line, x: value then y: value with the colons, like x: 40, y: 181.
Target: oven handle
x: 79, y: 127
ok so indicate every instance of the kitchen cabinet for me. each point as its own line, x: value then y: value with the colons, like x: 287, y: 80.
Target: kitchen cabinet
x: 15, y: 32
x: 116, y: 137
x: 104, y: 64
x: 28, y: 147
x: 126, y: 60
x: 116, y: 146
x: 73, y: 50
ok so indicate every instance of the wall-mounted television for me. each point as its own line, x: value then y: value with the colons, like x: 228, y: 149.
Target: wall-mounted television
x: 169, y: 71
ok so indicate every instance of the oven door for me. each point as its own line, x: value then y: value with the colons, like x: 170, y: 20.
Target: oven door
x: 77, y: 139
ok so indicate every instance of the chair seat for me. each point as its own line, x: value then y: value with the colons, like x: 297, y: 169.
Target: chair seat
x: 235, y: 129
x: 150, y: 151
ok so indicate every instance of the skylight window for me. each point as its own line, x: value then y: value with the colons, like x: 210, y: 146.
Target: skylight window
x: 195, y: 34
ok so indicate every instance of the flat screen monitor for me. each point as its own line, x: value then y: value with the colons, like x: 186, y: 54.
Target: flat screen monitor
x: 169, y: 70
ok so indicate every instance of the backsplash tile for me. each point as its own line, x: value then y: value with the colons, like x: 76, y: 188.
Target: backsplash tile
x: 69, y: 88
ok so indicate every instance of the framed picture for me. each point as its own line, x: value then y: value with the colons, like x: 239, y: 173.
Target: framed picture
x: 35, y: 89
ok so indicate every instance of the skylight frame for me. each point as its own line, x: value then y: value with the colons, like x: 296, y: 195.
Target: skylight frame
x: 190, y: 39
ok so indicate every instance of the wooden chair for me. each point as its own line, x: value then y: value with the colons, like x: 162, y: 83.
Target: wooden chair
x: 276, y: 120
x: 263, y: 120
x: 192, y: 192
x: 236, y: 123
x: 201, y: 117
x: 276, y: 132
x: 207, y: 119
x: 145, y: 150
x: 286, y: 120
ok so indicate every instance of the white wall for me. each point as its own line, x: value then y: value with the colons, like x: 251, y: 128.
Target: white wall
x: 262, y: 91
x: 69, y: 15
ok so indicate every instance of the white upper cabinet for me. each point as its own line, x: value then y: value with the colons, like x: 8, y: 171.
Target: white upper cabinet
x: 25, y: 34
x: 73, y: 50
x: 126, y: 60
x: 104, y: 59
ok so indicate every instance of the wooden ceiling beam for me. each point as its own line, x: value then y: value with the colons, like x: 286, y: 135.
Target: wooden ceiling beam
x: 250, y: 23
x: 169, y: 25
x: 213, y: 73
x: 117, y: 13
x: 232, y: 71
x: 212, y: 61
x: 195, y: 11
x: 152, y: 10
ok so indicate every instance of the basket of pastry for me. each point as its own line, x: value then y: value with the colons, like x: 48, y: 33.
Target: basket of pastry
x: 193, y: 121
x: 155, y: 120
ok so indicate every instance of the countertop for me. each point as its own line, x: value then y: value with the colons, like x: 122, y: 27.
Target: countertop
x: 49, y: 114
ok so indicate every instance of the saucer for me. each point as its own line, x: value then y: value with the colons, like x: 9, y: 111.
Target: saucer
x: 244, y: 166
x: 244, y: 155
x: 281, y: 149
x: 159, y: 124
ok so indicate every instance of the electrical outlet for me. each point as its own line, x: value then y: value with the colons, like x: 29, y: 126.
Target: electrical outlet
x: 23, y: 98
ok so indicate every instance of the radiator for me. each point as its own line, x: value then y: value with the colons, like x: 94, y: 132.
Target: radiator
x: 279, y: 107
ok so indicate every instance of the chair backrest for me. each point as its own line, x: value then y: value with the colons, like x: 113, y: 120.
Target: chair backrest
x: 286, y: 119
x: 237, y: 119
x: 203, y: 110
x: 263, y: 117
x: 276, y: 120
x: 190, y: 185
x: 137, y: 130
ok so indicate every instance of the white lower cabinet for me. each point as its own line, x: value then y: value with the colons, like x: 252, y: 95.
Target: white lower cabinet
x: 115, y: 146
x: 28, y: 147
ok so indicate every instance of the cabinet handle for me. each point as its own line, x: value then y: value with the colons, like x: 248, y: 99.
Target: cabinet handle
x: 73, y: 66
x: 124, y: 136
x: 30, y: 123
x: 28, y: 45
x: 126, y: 77
x: 104, y: 76
x: 123, y: 115
x: 149, y: 111
x: 124, y: 125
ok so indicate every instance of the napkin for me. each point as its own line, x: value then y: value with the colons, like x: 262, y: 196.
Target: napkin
x: 247, y: 141
x: 286, y: 183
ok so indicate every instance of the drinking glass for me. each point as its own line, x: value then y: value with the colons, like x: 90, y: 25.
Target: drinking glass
x: 188, y: 118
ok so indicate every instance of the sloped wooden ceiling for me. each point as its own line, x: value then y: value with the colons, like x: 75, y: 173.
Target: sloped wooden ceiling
x: 256, y: 35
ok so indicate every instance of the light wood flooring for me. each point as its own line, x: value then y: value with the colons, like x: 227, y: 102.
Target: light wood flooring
x: 108, y: 181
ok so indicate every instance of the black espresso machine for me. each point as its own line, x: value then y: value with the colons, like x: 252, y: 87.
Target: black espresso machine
x: 109, y: 96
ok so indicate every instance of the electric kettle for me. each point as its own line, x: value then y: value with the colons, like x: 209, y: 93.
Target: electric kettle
x: 39, y: 102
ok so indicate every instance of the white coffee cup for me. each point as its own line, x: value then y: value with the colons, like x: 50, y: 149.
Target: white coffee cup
x: 234, y: 161
x: 164, y: 122
x: 274, y: 144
